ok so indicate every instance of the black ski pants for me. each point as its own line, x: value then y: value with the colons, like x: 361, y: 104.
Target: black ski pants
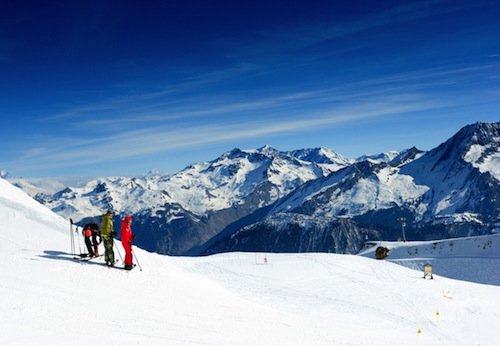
x: 90, y: 249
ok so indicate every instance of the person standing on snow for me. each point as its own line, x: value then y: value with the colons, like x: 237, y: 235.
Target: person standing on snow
x: 127, y: 238
x: 96, y: 238
x: 107, y: 235
x: 91, y: 230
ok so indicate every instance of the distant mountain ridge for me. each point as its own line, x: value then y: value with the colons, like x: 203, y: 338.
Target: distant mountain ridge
x: 303, y: 200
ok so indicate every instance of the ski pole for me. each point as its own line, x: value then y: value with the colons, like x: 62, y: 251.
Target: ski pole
x: 79, y: 244
x: 72, y: 237
x: 138, y: 264
x: 119, y: 254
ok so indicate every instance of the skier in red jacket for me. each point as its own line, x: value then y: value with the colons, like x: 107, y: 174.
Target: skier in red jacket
x: 127, y: 238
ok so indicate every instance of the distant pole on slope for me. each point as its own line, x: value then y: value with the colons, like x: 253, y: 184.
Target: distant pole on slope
x: 116, y: 248
x: 72, y: 237
x: 135, y: 256
x: 402, y: 221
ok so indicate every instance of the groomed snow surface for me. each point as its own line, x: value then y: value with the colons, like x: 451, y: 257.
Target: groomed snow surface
x: 48, y: 298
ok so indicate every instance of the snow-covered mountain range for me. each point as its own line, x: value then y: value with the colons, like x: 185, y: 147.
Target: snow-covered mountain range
x: 452, y: 190
x: 199, y: 188
x: 183, y: 210
x: 303, y: 200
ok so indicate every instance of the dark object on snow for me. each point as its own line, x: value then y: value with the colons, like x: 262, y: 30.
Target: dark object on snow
x: 428, y: 271
x: 381, y: 252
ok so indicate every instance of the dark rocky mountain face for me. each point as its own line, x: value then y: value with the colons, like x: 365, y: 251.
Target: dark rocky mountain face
x: 296, y: 233
x: 184, y: 233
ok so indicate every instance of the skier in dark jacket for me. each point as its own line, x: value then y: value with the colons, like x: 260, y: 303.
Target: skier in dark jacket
x: 91, y: 232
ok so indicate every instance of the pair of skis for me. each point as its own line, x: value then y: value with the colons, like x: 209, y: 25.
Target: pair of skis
x: 124, y: 268
x: 85, y: 258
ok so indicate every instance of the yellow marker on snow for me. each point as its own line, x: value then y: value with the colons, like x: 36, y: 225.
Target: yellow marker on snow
x: 437, y: 315
x: 419, y: 331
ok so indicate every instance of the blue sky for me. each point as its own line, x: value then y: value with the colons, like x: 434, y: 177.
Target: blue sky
x: 94, y: 88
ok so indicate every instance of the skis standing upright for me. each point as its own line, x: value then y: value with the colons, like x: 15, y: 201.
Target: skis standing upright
x: 72, y: 237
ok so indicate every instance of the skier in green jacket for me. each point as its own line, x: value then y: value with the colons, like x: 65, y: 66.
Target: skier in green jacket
x: 107, y: 234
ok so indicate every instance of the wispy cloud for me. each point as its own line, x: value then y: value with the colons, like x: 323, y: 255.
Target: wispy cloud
x: 203, y: 107
x: 154, y: 140
x: 181, y: 88
x: 160, y: 126
x: 125, y: 112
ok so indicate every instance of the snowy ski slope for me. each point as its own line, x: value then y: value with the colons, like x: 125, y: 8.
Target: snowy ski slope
x: 47, y: 298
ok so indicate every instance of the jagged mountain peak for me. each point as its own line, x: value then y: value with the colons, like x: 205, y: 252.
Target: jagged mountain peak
x: 367, y: 167
x: 232, y: 154
x: 480, y: 132
x: 320, y: 155
x: 477, y: 145
x: 406, y: 156
x: 483, y: 148
x: 263, y: 153
x: 381, y: 157
x: 267, y: 150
